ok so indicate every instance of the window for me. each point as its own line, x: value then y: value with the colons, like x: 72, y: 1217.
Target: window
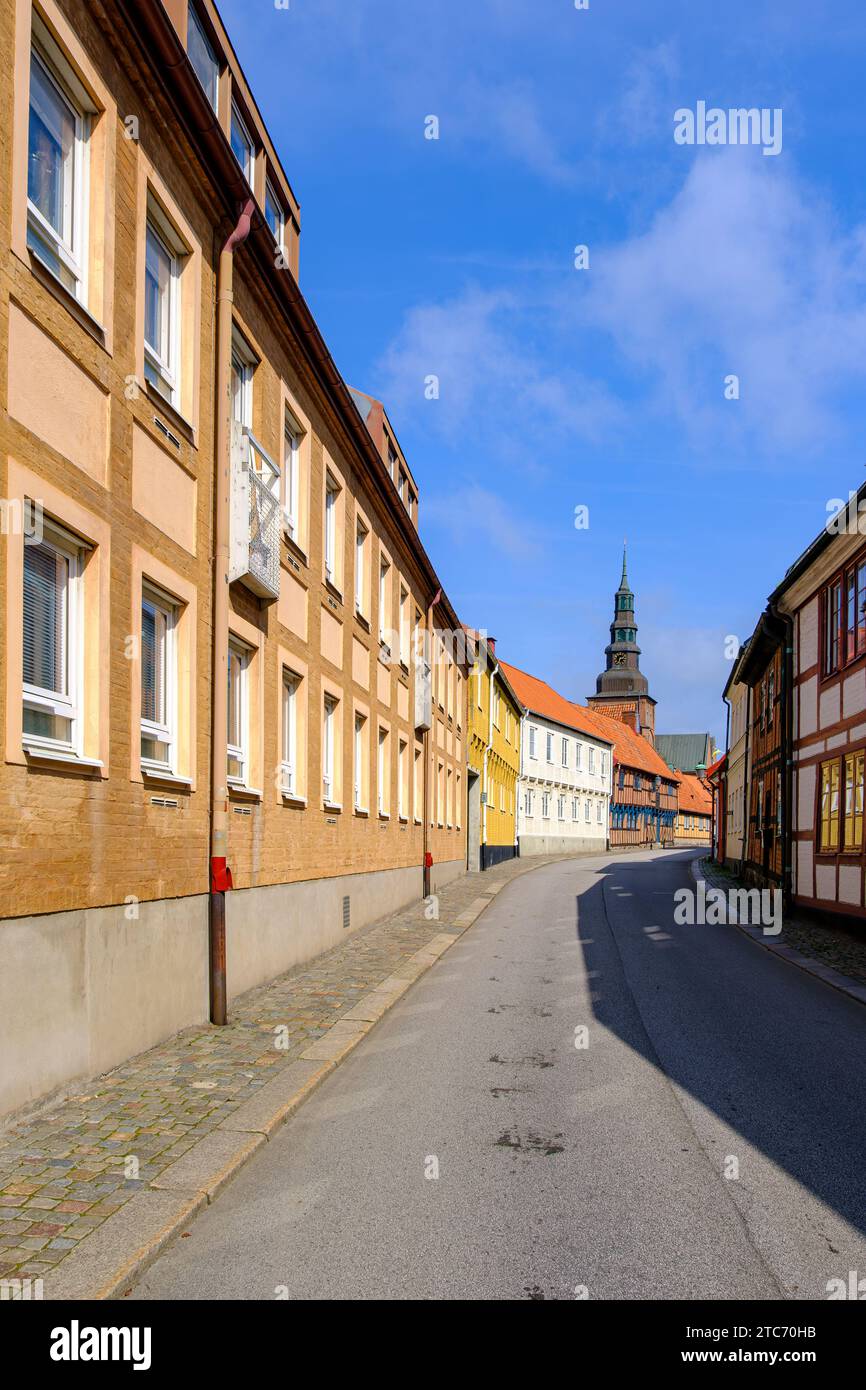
x: 843, y: 618
x: 591, y: 759
x: 289, y: 759
x: 545, y: 805
x: 586, y: 811
x: 565, y: 752
x: 242, y: 145
x: 358, y: 762
x: 604, y: 765
x: 497, y: 707
x: 527, y: 804
x: 161, y: 315
x: 384, y: 599
x: 52, y: 645
x: 202, y: 57
x: 550, y: 748
x: 402, y: 778
x: 771, y: 697
x: 560, y: 807
x: 578, y: 749
x: 332, y: 495
x: 854, y: 778
x: 404, y: 626
x: 599, y: 812
x: 449, y: 796
x: 57, y: 154
x: 417, y: 785
x: 243, y: 365
x: 329, y: 726
x: 574, y: 808
x: 638, y: 782
x: 829, y: 806
x: 238, y: 715
x: 532, y: 732
x: 274, y: 216
x: 382, y: 772
x: 361, y: 543
x: 158, y: 683
x: 292, y: 435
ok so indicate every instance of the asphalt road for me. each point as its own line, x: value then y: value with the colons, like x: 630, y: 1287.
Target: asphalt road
x: 561, y: 1168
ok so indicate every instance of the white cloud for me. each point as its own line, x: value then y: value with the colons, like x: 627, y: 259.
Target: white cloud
x: 744, y: 272
x: 492, y: 380
x: 474, y: 516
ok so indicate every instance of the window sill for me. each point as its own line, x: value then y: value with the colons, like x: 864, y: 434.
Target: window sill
x: 79, y: 312
x: 165, y: 407
x: 332, y: 806
x: 361, y: 811
x: 384, y: 815
x: 150, y: 774
x: 244, y: 793
x: 359, y: 617
x: 295, y: 550
x: 418, y: 821
x: 71, y: 760
x: 333, y: 590
x: 290, y: 799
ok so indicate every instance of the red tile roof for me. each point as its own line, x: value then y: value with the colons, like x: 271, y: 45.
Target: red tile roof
x: 630, y: 748
x: 694, y: 796
x: 541, y: 699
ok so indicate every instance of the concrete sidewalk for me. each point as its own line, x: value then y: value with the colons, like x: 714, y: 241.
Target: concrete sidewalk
x: 93, y: 1188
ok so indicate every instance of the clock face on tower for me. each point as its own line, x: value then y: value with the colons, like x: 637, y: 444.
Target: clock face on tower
x: 619, y: 658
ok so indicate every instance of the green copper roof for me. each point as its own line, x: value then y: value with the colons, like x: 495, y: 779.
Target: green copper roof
x: 685, y: 752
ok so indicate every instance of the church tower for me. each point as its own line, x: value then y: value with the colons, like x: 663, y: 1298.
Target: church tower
x: 622, y: 689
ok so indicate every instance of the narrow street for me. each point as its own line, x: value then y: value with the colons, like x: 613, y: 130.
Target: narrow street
x: 562, y: 1167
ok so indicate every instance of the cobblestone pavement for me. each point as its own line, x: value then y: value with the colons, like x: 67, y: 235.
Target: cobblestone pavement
x: 65, y: 1172
x: 830, y: 943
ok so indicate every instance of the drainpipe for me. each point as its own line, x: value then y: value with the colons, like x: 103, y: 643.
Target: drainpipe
x: 220, y: 873
x: 428, y: 754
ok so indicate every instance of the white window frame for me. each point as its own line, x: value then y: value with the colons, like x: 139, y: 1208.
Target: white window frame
x: 292, y: 435
x: 332, y: 495
x: 404, y: 600
x: 329, y: 724
x: 381, y: 789
x: 586, y: 812
x: 271, y: 197
x: 591, y: 759
x: 599, y: 812
x: 384, y: 575
x: 248, y: 169
x: 532, y: 737
x: 578, y: 763
x: 167, y: 368
x: 362, y: 536
x: 545, y: 805
x: 402, y: 755
x: 244, y: 363
x: 560, y: 807
x: 213, y: 97
x: 565, y: 752
x: 66, y: 704
x: 358, y: 761
x: 289, y: 733
x: 240, y: 751
x: 70, y: 246
x: 549, y: 747
x: 165, y: 732
x: 575, y: 808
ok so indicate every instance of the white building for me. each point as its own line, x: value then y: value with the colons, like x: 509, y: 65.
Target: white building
x: 565, y: 773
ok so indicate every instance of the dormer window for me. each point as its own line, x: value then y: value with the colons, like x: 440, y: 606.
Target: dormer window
x: 242, y: 145
x: 203, y: 58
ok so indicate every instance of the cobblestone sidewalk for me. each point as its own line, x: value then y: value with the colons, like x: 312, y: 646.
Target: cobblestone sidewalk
x: 66, y: 1172
x: 829, y: 944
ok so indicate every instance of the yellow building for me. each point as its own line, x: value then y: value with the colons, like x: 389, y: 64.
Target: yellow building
x: 493, y: 721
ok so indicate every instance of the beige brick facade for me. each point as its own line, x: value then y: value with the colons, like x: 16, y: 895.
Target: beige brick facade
x: 131, y: 477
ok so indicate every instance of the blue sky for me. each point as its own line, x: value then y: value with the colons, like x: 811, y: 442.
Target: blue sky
x: 605, y: 387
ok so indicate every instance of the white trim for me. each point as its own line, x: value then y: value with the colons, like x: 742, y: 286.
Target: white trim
x: 166, y: 731
x: 69, y: 244
x: 240, y: 751
x: 289, y: 733
x: 248, y: 169
x: 66, y: 703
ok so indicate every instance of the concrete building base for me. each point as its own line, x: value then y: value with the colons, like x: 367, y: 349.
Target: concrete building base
x: 561, y: 844
x: 85, y: 990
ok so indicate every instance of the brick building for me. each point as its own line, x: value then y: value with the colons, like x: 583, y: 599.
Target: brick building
x: 233, y: 697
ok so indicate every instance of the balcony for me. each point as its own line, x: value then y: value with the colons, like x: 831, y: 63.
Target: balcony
x: 254, y: 525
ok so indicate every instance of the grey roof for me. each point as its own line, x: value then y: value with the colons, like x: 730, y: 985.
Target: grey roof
x: 683, y: 752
